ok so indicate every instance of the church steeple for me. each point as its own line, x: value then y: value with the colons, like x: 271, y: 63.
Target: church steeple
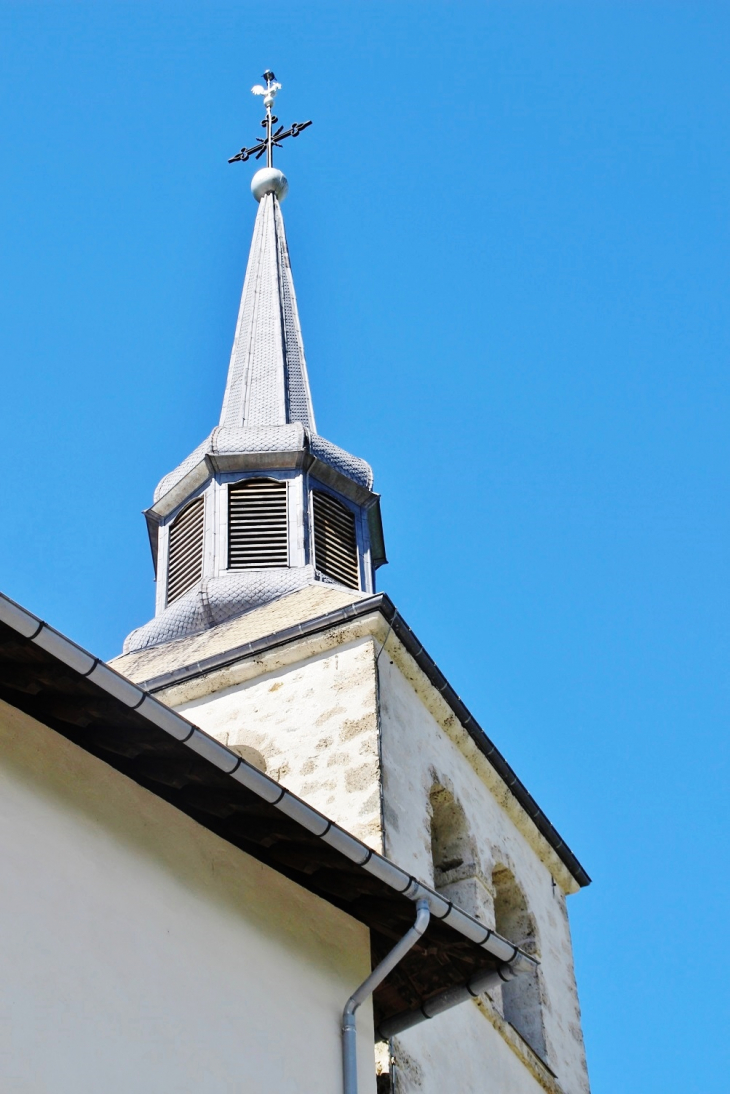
x: 264, y: 506
x: 267, y: 377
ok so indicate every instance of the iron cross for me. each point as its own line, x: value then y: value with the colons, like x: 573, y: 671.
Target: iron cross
x: 273, y: 138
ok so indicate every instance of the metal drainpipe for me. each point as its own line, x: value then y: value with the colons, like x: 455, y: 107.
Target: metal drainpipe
x: 379, y: 973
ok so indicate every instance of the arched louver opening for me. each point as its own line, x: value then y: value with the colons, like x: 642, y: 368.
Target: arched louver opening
x: 521, y: 997
x: 185, y: 554
x: 335, y: 540
x: 257, y: 526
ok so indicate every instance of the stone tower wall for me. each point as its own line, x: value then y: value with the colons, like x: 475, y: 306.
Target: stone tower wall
x: 424, y: 760
x: 315, y: 724
x: 358, y: 731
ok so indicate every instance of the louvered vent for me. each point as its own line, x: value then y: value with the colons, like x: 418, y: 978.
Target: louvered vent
x: 185, y: 556
x: 335, y: 541
x: 257, y: 526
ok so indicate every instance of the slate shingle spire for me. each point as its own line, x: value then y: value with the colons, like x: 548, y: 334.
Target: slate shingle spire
x: 267, y: 377
x: 264, y: 506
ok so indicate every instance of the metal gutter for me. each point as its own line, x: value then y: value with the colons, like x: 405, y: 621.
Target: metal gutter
x: 380, y: 602
x: 445, y: 1000
x: 33, y: 629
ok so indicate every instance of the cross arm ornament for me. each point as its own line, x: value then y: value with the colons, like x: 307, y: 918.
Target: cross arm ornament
x: 257, y: 150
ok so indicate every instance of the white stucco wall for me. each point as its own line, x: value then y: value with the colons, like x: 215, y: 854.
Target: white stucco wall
x: 465, y: 1053
x: 142, y: 952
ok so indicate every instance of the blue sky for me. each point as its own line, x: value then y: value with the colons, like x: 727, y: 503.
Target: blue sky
x: 509, y: 235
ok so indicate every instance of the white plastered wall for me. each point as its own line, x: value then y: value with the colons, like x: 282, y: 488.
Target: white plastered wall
x: 142, y: 952
x: 464, y: 1054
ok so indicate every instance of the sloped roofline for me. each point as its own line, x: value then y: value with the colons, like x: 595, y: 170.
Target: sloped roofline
x: 66, y: 688
x: 382, y: 603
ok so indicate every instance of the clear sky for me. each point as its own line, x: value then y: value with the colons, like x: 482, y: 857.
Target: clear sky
x: 509, y: 236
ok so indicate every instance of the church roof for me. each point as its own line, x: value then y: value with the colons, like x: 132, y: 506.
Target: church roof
x: 155, y: 663
x: 312, y: 611
x: 267, y: 405
x: 266, y: 425
x: 53, y: 680
x: 267, y: 376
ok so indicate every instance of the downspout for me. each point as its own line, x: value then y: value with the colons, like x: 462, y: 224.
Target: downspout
x: 379, y: 973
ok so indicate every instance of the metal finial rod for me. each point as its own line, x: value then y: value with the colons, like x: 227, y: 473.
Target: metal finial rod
x: 273, y: 138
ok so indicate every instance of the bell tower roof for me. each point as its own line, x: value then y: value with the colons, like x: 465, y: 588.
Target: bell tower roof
x: 267, y: 376
x: 264, y: 506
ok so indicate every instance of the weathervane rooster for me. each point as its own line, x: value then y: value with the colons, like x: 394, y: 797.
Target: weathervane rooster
x: 273, y: 138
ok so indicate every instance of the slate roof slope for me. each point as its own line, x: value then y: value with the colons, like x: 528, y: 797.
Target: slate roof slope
x: 267, y: 377
x: 72, y: 692
x: 307, y: 603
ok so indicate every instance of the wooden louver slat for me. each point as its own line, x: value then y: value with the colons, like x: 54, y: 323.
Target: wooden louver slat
x: 257, y: 525
x: 335, y: 540
x: 185, y: 553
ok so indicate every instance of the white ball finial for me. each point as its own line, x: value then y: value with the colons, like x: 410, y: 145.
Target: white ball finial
x: 269, y: 180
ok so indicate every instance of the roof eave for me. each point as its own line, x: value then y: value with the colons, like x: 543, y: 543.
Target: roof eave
x: 96, y: 708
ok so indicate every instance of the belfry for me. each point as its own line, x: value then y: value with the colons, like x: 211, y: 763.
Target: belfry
x: 264, y: 505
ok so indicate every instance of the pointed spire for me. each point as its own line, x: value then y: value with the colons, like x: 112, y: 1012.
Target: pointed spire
x: 234, y: 556
x: 267, y: 376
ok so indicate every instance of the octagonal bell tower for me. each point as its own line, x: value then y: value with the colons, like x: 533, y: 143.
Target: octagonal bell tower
x: 264, y: 506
